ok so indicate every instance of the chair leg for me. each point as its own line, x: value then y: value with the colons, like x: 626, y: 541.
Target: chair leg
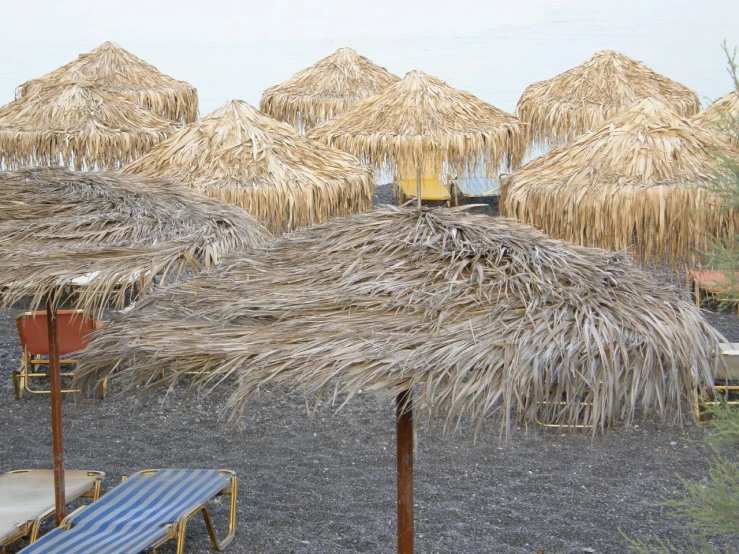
x: 19, y: 387
x: 218, y: 545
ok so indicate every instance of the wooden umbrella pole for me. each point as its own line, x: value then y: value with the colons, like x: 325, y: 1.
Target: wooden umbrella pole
x: 418, y: 184
x: 404, y: 414
x: 56, y: 407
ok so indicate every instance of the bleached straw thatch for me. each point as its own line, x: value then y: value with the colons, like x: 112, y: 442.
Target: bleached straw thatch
x: 480, y: 317
x: 723, y: 115
x: 56, y: 225
x: 639, y: 180
x: 582, y: 98
x: 114, y: 69
x: 77, y: 125
x: 422, y: 119
x: 244, y: 157
x: 325, y: 89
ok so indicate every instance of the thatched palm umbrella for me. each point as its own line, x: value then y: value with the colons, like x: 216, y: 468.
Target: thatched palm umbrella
x: 56, y: 225
x: 463, y: 316
x: 282, y: 178
x: 723, y: 115
x: 77, y: 125
x: 582, y: 98
x: 116, y: 70
x: 422, y: 122
x: 639, y: 180
x: 325, y: 89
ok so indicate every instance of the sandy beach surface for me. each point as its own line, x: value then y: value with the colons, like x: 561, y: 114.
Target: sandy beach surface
x: 326, y: 483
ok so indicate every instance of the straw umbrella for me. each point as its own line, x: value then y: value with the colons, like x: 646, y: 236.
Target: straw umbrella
x: 116, y: 70
x: 77, y: 125
x: 642, y: 180
x: 422, y: 122
x: 582, y: 98
x: 282, y: 178
x: 463, y: 316
x: 56, y: 225
x: 723, y: 115
x: 325, y: 89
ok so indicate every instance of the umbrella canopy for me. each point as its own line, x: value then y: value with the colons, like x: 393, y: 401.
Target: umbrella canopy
x: 639, y: 180
x: 77, y: 125
x: 56, y: 225
x: 458, y: 315
x: 114, y: 69
x: 581, y: 99
x: 325, y: 89
x: 282, y: 178
x: 723, y: 115
x: 422, y: 120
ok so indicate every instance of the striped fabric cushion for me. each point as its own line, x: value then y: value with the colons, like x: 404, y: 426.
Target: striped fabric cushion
x: 132, y: 516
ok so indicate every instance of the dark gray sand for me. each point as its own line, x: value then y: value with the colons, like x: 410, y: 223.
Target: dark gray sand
x: 326, y: 484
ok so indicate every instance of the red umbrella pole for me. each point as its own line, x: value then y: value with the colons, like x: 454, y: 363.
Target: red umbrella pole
x: 56, y: 408
x: 404, y: 411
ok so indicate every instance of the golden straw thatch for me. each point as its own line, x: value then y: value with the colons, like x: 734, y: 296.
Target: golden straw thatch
x: 581, y: 99
x: 638, y: 180
x: 114, y: 69
x: 56, y: 225
x: 244, y: 157
x: 325, y: 89
x: 481, y: 317
x: 723, y: 115
x: 77, y: 125
x: 422, y: 119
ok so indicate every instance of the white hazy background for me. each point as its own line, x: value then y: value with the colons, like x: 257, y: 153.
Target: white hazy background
x: 232, y: 49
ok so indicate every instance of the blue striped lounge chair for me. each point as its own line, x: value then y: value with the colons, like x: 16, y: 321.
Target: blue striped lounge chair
x: 142, y: 513
x: 27, y: 499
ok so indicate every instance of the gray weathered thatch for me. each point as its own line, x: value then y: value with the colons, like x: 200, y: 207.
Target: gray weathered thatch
x: 641, y: 180
x: 116, y: 70
x: 480, y: 317
x: 244, y: 157
x: 75, y: 124
x: 56, y: 225
x: 582, y: 98
x: 723, y: 115
x: 422, y: 121
x: 325, y: 89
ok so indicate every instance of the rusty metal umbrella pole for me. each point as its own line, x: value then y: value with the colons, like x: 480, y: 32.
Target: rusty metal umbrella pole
x: 404, y: 414
x: 56, y: 407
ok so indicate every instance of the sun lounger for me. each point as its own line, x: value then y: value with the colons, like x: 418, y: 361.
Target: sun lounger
x: 74, y: 329
x: 145, y: 511
x: 27, y: 498
x: 723, y: 285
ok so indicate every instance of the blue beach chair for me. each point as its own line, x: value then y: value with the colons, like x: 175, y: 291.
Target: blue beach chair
x: 145, y: 511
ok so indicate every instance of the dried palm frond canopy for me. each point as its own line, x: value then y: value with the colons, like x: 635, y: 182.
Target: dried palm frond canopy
x: 75, y: 124
x: 114, y: 69
x: 723, y: 115
x: 639, y: 180
x: 325, y: 89
x: 480, y: 317
x: 282, y: 178
x: 581, y: 99
x: 56, y: 225
x: 422, y: 121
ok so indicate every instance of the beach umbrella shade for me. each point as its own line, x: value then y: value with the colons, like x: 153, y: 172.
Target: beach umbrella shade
x: 77, y: 125
x: 325, y: 89
x: 723, y: 115
x: 244, y: 157
x: 582, y: 98
x: 116, y: 70
x: 56, y: 225
x: 641, y: 181
x: 422, y: 122
x: 464, y: 317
